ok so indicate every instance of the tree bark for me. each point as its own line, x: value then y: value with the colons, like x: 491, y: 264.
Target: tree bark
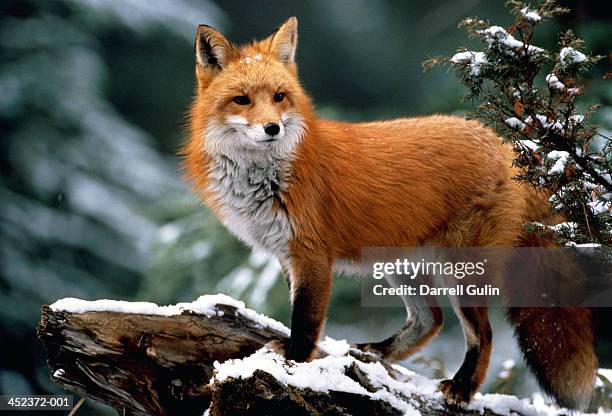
x: 162, y: 365
x: 146, y: 364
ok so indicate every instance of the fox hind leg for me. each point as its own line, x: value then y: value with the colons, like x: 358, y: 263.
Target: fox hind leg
x: 424, y: 320
x: 478, y: 338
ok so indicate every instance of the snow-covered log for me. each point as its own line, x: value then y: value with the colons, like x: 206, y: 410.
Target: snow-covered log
x: 141, y: 358
x: 144, y: 359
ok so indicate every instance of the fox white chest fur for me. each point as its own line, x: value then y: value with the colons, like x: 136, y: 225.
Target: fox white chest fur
x: 248, y: 182
x: 247, y: 193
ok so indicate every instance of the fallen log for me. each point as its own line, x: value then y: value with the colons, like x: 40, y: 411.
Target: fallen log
x: 155, y: 362
x: 144, y: 359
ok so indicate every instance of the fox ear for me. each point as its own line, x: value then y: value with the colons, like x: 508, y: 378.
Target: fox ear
x: 283, y: 42
x: 211, y: 48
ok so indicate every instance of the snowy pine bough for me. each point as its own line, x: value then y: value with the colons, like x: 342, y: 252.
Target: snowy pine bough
x: 528, y: 94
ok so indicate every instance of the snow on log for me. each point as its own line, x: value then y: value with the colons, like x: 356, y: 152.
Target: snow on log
x: 144, y: 359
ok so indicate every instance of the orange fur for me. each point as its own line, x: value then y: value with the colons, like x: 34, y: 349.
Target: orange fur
x: 438, y: 180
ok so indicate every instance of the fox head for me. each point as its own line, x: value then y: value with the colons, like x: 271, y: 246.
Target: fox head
x: 249, y: 100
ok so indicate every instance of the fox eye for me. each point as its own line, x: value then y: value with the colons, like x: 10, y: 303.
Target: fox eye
x: 241, y: 100
x: 279, y: 96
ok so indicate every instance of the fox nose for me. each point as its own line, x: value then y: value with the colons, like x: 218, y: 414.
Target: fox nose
x: 272, y: 129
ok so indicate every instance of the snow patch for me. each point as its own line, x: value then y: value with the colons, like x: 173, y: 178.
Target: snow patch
x: 570, y: 56
x: 323, y: 375
x: 320, y: 375
x: 544, y: 123
x: 204, y: 305
x: 576, y: 119
x: 507, y: 367
x: 530, y: 144
x: 530, y: 15
x: 476, y: 60
x: 509, y: 364
x: 508, y: 405
x: 497, y: 36
x: 327, y: 374
x: 585, y: 245
x: 560, y: 158
x: 565, y: 227
x: 336, y: 348
x: 248, y: 59
x: 74, y: 305
x: 554, y: 83
x: 600, y: 206
x: 169, y: 233
x: 515, y: 123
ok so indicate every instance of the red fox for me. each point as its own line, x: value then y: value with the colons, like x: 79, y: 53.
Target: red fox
x: 313, y: 192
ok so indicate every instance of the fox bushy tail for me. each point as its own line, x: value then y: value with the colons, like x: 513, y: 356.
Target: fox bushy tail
x: 558, y: 343
x: 559, y: 347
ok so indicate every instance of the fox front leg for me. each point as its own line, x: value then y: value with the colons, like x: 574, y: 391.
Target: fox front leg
x: 311, y: 280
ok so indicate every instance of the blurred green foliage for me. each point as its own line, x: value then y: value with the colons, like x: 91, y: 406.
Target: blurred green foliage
x: 92, y: 102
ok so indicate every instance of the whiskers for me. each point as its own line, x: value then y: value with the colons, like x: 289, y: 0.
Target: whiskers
x: 234, y: 138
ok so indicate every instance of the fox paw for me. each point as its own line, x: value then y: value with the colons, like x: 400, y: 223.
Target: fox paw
x: 281, y: 348
x: 456, y: 393
x: 369, y: 347
x: 278, y: 346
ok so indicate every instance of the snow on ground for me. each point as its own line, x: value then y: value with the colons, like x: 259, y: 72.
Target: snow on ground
x: 334, y: 347
x: 324, y: 374
x: 327, y: 374
x: 204, y: 305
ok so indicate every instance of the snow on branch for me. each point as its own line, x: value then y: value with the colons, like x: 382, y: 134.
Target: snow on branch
x: 145, y: 359
x: 528, y: 94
